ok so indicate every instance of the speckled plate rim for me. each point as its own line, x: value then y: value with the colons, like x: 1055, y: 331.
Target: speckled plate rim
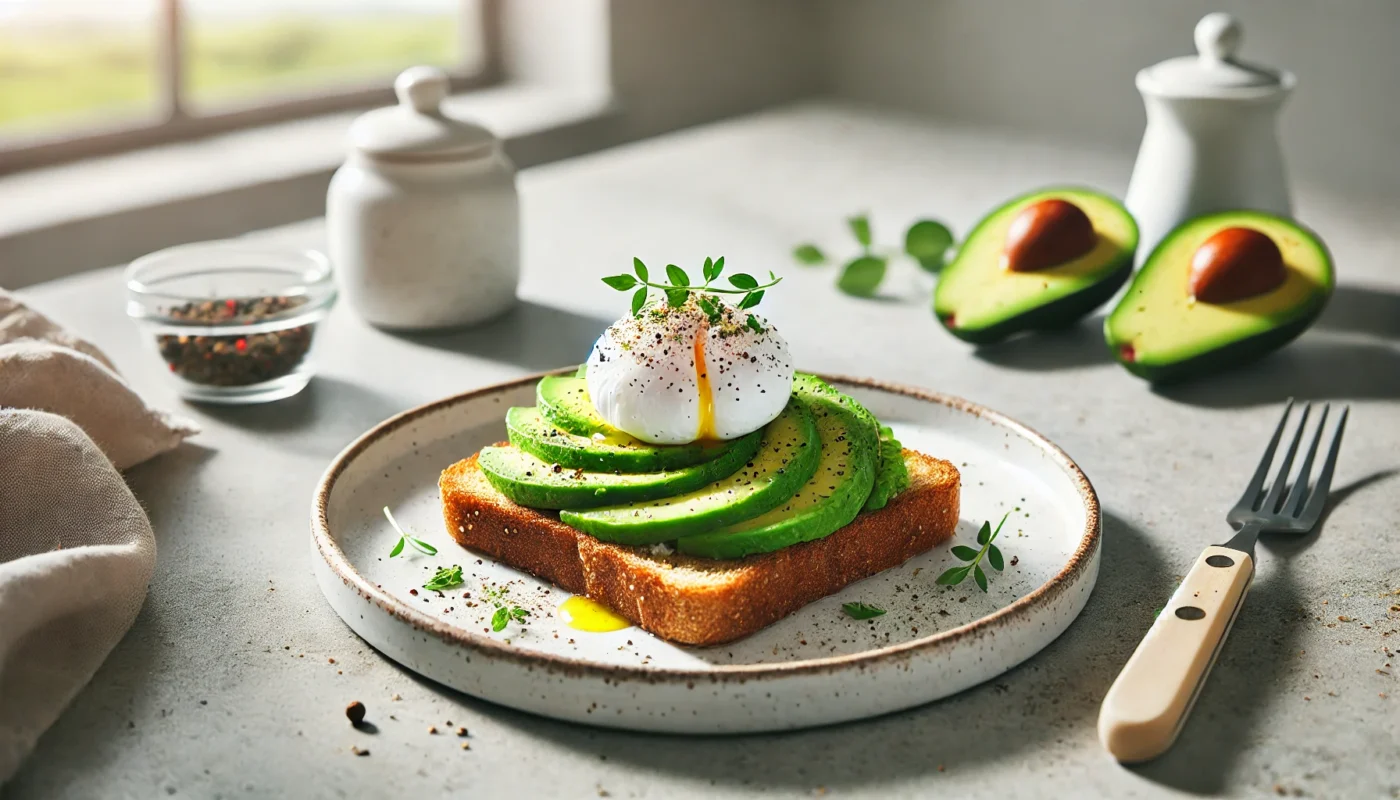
x: 1083, y: 558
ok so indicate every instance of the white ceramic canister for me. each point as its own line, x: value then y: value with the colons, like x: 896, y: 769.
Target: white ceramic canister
x: 423, y: 219
x: 1211, y: 142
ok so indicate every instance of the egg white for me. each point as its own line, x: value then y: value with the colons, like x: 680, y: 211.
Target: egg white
x: 644, y: 378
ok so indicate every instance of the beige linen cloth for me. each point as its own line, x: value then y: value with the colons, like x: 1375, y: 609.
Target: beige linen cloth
x: 76, y: 550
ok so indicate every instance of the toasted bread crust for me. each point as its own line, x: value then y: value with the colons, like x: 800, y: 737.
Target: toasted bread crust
x: 692, y: 600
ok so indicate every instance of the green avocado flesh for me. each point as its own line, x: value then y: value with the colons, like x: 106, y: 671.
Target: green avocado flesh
x: 564, y: 401
x: 1158, y: 331
x: 824, y: 504
x: 979, y: 300
x: 787, y: 459
x: 612, y: 452
x: 536, y: 483
x: 893, y: 475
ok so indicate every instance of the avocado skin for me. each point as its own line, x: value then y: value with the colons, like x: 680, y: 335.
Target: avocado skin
x: 1058, y: 314
x: 614, y: 524
x: 586, y: 491
x: 1223, y: 358
x: 531, y: 432
x: 1240, y: 351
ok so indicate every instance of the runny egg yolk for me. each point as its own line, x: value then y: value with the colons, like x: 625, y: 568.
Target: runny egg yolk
x: 590, y: 616
x: 705, y: 424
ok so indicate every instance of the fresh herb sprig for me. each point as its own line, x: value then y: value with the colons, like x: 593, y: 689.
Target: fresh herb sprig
x: 862, y: 610
x: 506, y: 611
x: 927, y: 242
x: 989, y: 552
x: 678, y: 289
x: 404, y: 538
x: 444, y: 579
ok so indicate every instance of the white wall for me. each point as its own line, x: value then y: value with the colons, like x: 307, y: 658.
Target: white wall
x: 1065, y: 68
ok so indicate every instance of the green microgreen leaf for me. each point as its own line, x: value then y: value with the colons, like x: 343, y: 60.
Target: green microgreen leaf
x: 862, y: 276
x: 519, y: 614
x: 860, y: 228
x: 861, y: 610
x: 751, y: 299
x: 974, y: 557
x: 641, y: 269
x: 445, y: 578
x: 719, y: 266
x: 676, y: 298
x: 417, y: 544
x: 743, y: 280
x: 808, y: 254
x: 954, y: 576
x: 707, y: 269
x: 500, y: 619
x: 964, y: 552
x: 928, y: 242
x: 638, y: 300
x: 753, y: 324
x: 677, y: 276
x: 620, y: 282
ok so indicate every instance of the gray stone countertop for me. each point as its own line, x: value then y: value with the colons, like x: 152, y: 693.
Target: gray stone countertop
x: 225, y: 686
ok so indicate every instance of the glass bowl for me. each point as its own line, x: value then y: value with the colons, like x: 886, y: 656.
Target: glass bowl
x: 231, y: 322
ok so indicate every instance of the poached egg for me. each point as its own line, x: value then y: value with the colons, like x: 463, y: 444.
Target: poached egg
x: 670, y: 376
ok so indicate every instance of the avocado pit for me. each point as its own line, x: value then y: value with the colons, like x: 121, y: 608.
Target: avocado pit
x: 1046, y: 234
x: 1235, y: 264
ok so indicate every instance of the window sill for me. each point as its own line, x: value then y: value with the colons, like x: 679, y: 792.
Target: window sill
x: 65, y: 219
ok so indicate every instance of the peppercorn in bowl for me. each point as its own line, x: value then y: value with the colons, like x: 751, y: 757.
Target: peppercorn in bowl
x: 232, y: 323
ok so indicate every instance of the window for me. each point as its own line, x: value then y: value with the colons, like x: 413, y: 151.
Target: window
x: 79, y: 77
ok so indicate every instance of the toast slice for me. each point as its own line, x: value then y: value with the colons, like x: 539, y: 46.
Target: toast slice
x: 700, y: 601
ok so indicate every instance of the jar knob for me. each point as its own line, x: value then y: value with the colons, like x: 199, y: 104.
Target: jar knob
x: 1218, y: 36
x: 423, y: 88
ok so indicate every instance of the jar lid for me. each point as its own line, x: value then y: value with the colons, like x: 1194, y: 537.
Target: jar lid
x: 416, y: 129
x: 1214, y: 71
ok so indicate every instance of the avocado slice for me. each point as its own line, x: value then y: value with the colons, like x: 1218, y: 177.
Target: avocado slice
x: 1042, y: 260
x: 825, y: 503
x: 786, y: 460
x: 892, y: 476
x: 615, y: 452
x: 564, y: 401
x: 1162, y: 331
x: 536, y: 483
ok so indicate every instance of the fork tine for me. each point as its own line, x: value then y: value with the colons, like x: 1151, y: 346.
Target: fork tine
x: 1293, y: 506
x: 1251, y: 494
x: 1270, y: 505
x: 1318, y: 499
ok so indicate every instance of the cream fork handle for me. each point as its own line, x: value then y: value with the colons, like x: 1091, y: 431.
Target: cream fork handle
x: 1147, y: 704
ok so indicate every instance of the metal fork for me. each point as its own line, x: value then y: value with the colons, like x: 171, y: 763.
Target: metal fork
x: 1145, y: 708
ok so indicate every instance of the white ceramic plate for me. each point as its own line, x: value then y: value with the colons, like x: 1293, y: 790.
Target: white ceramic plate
x: 817, y: 666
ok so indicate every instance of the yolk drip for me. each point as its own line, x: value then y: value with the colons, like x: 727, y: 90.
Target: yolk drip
x: 583, y: 614
x: 705, y: 427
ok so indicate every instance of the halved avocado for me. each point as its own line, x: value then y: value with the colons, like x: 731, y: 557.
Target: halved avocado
x: 564, y: 401
x: 613, y: 452
x: 536, y: 483
x: 786, y: 460
x: 1042, y: 260
x: 1162, y: 331
x: 826, y: 502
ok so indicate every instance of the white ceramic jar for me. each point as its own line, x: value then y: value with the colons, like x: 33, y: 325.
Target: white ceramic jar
x: 423, y: 218
x: 1211, y: 142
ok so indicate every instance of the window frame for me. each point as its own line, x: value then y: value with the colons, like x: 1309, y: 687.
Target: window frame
x: 173, y: 121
